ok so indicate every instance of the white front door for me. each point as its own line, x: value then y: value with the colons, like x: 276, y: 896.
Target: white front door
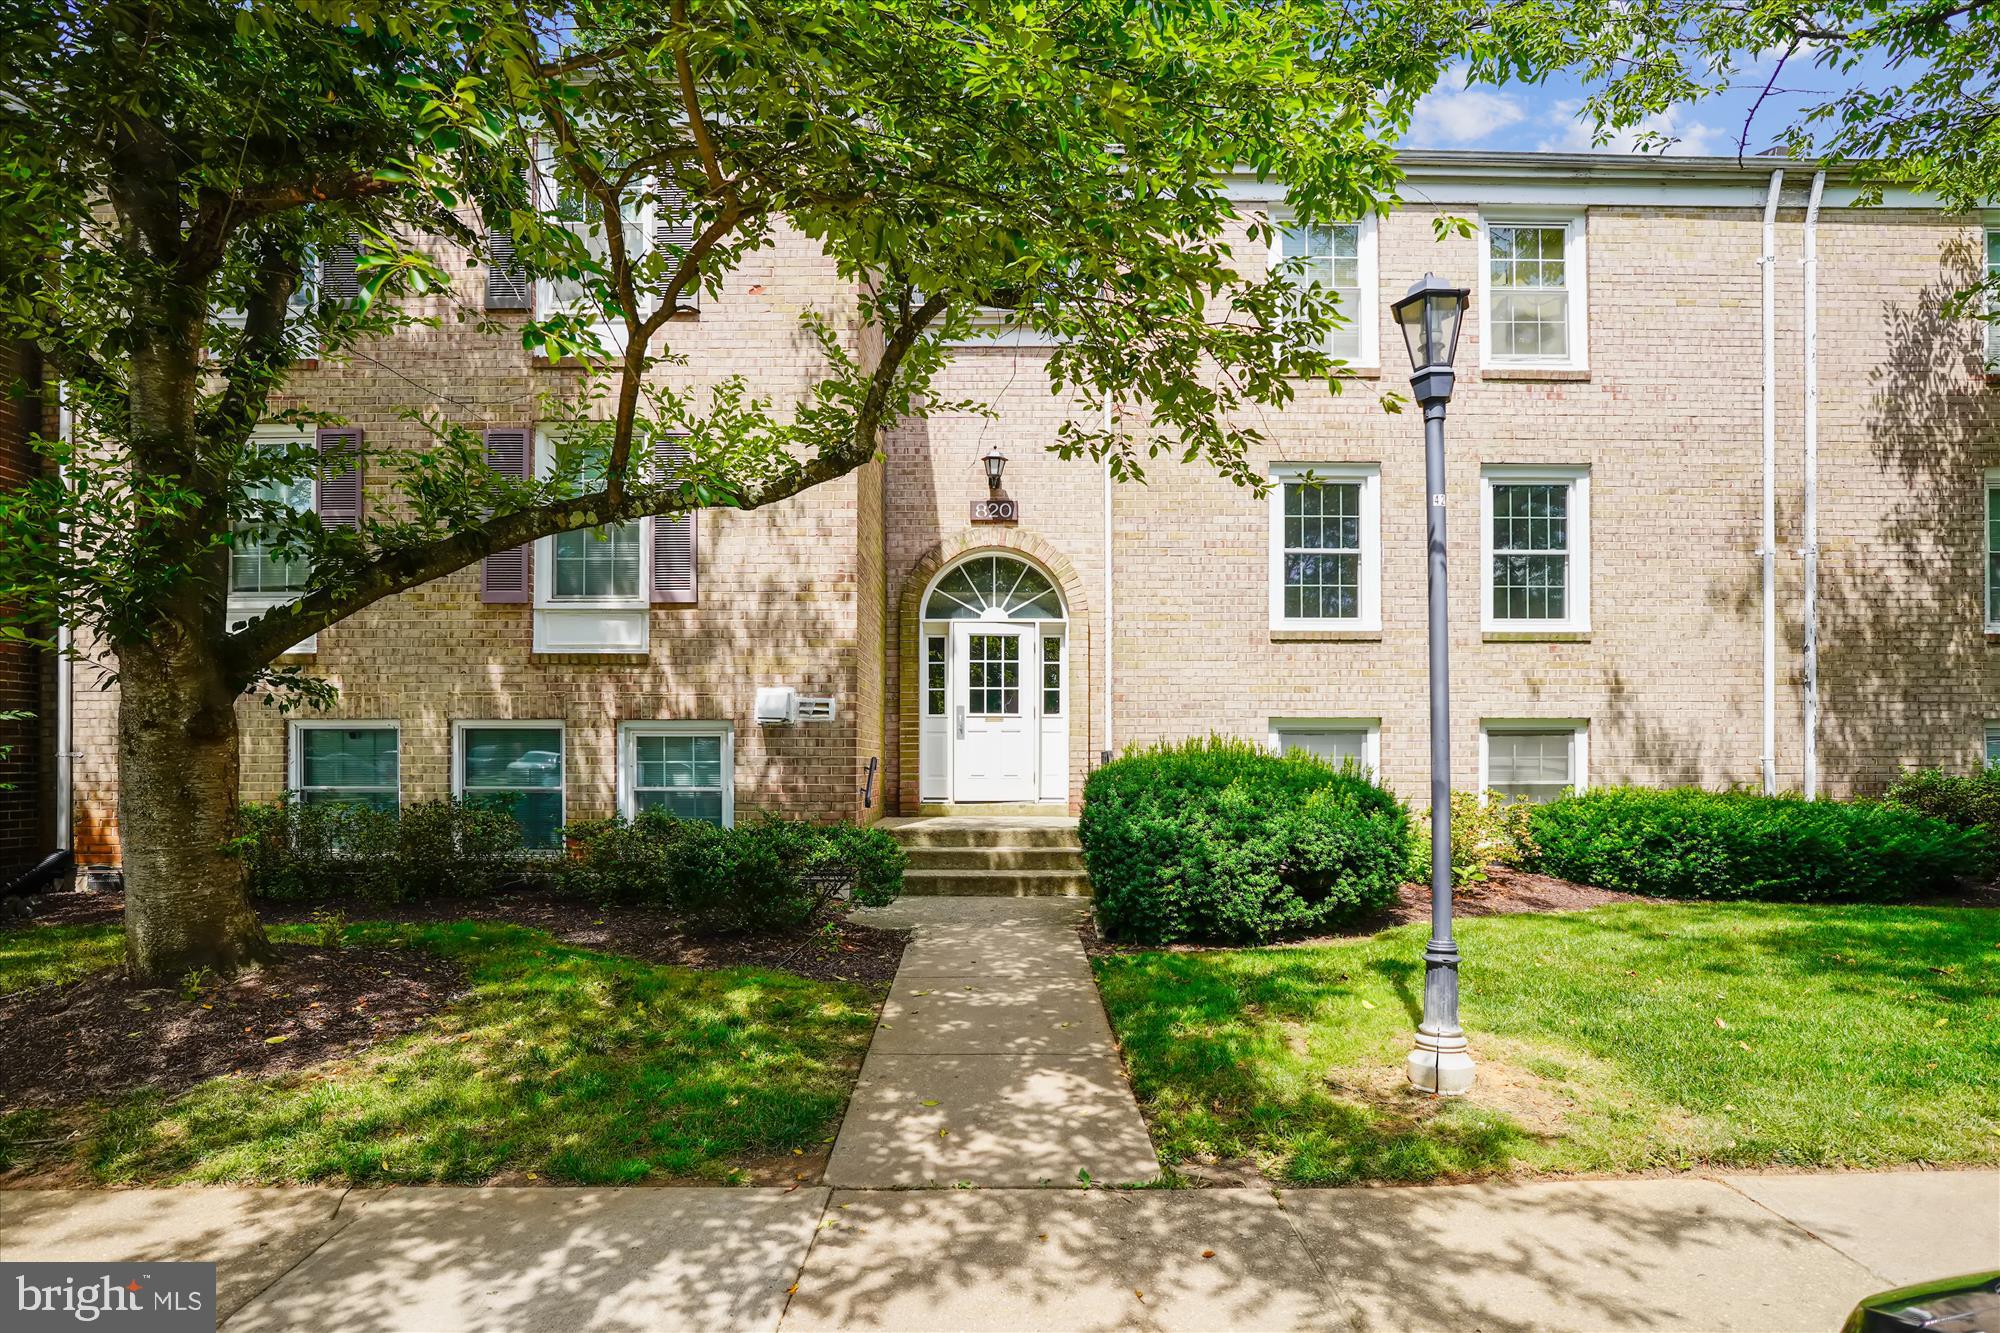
x: 995, y: 719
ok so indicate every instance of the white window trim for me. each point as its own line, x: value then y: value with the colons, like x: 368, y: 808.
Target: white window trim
x: 1990, y: 484
x: 608, y: 327
x: 1989, y: 331
x: 545, y: 549
x: 1992, y: 735
x: 628, y: 760
x: 245, y: 606
x: 294, y: 758
x: 1577, y: 478
x: 1368, y: 318
x: 1576, y: 270
x: 463, y: 725
x: 1369, y: 727
x: 1579, y: 745
x: 1369, y: 475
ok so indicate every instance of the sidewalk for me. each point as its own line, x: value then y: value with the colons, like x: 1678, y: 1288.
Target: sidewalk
x: 1695, y: 1253
x: 993, y: 1064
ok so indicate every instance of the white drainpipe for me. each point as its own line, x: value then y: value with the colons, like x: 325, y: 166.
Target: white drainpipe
x: 1767, y: 552
x: 1109, y: 748
x: 1811, y: 515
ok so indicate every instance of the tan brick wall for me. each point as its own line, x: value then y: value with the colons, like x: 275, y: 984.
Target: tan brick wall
x: 783, y: 591
x: 820, y: 592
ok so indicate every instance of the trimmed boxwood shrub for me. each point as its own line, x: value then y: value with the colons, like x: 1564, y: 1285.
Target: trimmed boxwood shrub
x: 1688, y: 843
x: 1220, y: 840
x: 294, y: 852
x: 765, y: 875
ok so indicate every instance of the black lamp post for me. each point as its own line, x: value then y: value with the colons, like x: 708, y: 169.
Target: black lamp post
x: 996, y: 464
x: 1430, y: 315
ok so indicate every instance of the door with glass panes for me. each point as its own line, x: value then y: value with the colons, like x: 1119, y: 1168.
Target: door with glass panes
x: 994, y: 717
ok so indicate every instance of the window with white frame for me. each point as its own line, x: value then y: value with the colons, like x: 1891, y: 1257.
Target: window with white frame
x: 1533, y: 760
x: 1992, y: 306
x: 347, y: 763
x: 1532, y: 292
x: 683, y: 768
x: 516, y: 767
x: 260, y: 577
x: 1052, y: 675
x: 592, y: 567
x: 1339, y: 741
x: 1535, y: 531
x: 1339, y: 258
x: 583, y: 216
x: 1993, y: 550
x: 934, y: 675
x: 1992, y: 744
x: 1325, y: 546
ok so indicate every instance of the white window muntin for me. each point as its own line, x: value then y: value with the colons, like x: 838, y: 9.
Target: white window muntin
x: 1331, y: 738
x: 634, y: 784
x: 637, y: 219
x: 1359, y: 341
x: 1992, y: 550
x: 1992, y: 338
x: 634, y: 541
x: 311, y: 788
x: 1366, y: 478
x: 1573, y: 735
x: 1575, y: 295
x: 461, y: 733
x: 257, y: 581
x: 1576, y: 610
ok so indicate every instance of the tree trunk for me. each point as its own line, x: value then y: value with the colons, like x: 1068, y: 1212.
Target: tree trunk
x: 185, y: 905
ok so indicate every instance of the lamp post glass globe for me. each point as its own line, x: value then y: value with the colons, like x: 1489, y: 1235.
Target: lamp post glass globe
x: 996, y: 464
x: 1430, y: 315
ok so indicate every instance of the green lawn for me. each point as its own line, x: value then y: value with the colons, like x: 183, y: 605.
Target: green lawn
x: 561, y: 1064
x: 38, y: 956
x: 1617, y: 1039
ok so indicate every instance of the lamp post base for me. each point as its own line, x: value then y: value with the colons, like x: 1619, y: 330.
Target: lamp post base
x: 1440, y: 1064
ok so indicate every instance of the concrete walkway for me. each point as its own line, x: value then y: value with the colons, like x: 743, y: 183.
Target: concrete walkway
x: 993, y: 1064
x: 1765, y: 1253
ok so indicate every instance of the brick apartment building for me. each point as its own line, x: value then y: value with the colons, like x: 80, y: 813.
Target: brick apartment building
x: 1606, y: 483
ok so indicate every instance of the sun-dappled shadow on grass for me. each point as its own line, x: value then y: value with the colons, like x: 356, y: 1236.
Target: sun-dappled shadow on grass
x: 40, y: 955
x: 558, y: 1064
x: 1623, y: 1038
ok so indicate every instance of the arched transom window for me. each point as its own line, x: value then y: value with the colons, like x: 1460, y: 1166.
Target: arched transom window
x: 994, y: 587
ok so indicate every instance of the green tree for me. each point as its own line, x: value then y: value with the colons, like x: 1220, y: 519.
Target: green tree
x: 173, y: 167
x: 1901, y: 93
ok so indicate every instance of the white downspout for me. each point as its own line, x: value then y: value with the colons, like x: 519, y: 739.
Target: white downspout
x: 1767, y: 552
x: 1109, y: 748
x: 65, y: 722
x: 1811, y: 514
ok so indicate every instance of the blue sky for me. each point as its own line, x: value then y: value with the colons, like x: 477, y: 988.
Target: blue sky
x: 1543, y: 118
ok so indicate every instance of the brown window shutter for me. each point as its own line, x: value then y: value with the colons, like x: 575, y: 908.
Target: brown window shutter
x: 675, y: 539
x: 508, y: 576
x: 508, y: 287
x: 673, y: 233
x: 337, y: 494
x: 340, y: 274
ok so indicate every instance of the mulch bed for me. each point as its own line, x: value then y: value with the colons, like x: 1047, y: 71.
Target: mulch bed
x: 106, y: 1033
x: 847, y: 953
x: 1503, y: 893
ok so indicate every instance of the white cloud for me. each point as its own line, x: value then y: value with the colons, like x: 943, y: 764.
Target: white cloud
x: 1455, y: 113
x: 1573, y: 132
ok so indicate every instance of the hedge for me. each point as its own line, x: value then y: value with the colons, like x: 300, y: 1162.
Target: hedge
x: 1684, y: 842
x: 766, y: 875
x: 1220, y: 840
x: 295, y: 852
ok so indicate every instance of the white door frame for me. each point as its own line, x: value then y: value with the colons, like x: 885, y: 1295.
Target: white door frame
x: 995, y: 752
x: 1045, y: 756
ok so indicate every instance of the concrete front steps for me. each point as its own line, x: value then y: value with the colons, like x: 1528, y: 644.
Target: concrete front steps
x: 991, y: 856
